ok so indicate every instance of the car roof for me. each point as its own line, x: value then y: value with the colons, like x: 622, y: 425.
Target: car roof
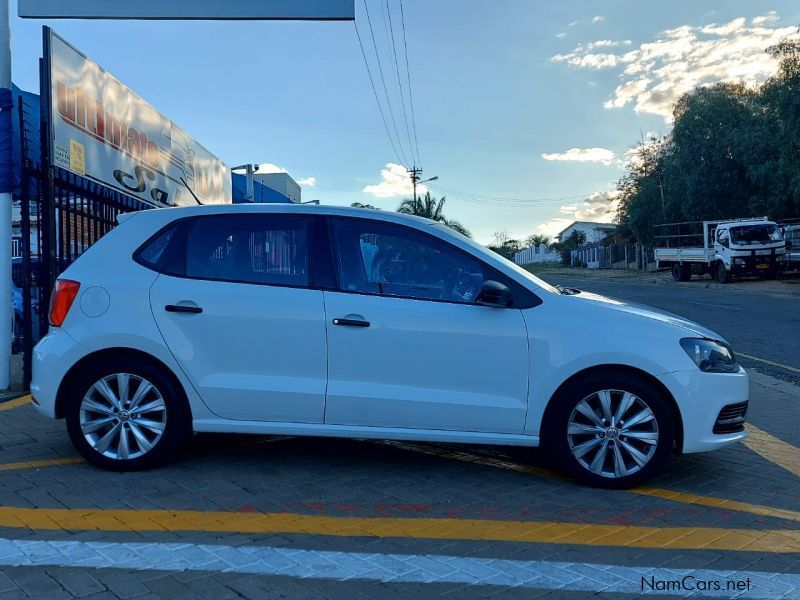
x: 293, y: 209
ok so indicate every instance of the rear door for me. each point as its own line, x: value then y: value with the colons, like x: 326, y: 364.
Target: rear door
x: 240, y: 317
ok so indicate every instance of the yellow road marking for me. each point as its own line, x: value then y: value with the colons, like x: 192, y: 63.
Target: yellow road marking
x: 713, y: 502
x: 769, y: 362
x: 774, y: 450
x: 665, y: 494
x: 22, y: 401
x: 684, y: 538
x: 36, y: 464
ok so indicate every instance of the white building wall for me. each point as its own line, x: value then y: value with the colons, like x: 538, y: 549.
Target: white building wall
x: 282, y: 183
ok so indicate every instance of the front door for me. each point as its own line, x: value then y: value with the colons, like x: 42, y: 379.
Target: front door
x: 408, y: 345
x: 241, y: 320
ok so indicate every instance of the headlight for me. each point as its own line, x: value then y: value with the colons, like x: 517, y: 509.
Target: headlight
x: 710, y: 356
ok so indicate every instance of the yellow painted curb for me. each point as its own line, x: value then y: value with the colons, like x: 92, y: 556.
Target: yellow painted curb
x: 21, y: 401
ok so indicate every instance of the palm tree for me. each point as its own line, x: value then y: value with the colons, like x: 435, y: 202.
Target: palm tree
x: 431, y: 208
x: 537, y: 239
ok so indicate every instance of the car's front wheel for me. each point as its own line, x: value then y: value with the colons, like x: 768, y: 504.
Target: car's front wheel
x: 610, y: 431
x: 125, y: 416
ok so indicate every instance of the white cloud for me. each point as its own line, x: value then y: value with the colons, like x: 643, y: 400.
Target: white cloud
x: 656, y: 74
x: 599, y: 207
x: 598, y: 19
x: 770, y: 17
x: 561, y: 35
x: 270, y: 168
x: 596, y: 155
x: 394, y: 182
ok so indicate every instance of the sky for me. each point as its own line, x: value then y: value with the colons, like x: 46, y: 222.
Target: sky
x: 523, y: 109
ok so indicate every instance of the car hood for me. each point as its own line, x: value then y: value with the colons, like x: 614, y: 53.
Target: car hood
x: 647, y: 312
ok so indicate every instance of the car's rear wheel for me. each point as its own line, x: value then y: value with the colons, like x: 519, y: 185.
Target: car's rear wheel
x: 126, y: 416
x: 612, y: 431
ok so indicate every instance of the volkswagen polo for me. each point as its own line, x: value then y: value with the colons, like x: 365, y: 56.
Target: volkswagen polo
x: 327, y: 321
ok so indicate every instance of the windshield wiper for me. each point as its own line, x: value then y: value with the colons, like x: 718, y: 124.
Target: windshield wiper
x: 567, y: 291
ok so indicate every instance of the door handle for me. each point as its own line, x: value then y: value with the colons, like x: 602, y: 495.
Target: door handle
x: 180, y: 308
x: 351, y: 322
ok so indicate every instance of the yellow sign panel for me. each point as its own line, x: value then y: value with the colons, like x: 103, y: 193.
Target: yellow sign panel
x: 77, y: 158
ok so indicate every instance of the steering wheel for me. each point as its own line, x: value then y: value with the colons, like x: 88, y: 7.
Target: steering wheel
x: 461, y: 285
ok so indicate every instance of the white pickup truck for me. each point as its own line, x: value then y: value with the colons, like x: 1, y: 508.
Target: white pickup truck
x: 749, y: 247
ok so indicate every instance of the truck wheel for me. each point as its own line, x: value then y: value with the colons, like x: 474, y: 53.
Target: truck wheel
x: 721, y: 274
x: 681, y: 272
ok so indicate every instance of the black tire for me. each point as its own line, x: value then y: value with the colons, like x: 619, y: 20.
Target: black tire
x: 681, y: 272
x: 176, y: 416
x: 721, y: 273
x: 557, y: 441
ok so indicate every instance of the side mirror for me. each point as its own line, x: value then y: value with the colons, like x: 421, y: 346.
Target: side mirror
x: 495, y: 294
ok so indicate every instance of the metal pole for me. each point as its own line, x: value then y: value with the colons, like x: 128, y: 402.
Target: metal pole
x: 6, y: 185
x: 250, y: 190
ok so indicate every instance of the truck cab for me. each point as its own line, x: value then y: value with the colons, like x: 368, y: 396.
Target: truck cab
x: 792, y: 236
x: 750, y: 247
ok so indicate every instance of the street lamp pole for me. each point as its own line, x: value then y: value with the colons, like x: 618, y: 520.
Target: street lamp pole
x: 6, y: 187
x: 249, y: 171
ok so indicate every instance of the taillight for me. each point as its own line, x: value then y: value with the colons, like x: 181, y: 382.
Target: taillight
x: 62, y: 299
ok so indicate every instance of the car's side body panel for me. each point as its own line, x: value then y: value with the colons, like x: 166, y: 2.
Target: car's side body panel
x: 426, y: 365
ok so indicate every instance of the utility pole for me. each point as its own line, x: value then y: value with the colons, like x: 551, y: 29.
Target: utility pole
x: 416, y: 174
x: 6, y: 187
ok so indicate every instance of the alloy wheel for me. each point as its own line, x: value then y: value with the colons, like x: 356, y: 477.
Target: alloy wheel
x: 612, y: 433
x: 123, y: 416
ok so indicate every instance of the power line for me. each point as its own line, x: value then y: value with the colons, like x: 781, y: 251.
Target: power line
x: 375, y: 91
x: 383, y: 80
x: 510, y: 202
x: 390, y: 33
x: 408, y: 76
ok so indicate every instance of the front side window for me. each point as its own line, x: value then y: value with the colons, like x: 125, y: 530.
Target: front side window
x: 265, y: 249
x: 393, y: 260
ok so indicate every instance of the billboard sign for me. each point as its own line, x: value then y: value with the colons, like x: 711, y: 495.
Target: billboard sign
x: 306, y: 10
x: 101, y: 130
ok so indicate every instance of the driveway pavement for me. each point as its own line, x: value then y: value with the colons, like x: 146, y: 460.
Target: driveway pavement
x: 279, y: 517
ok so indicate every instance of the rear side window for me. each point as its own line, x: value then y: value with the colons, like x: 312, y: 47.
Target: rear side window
x: 263, y: 249
x: 154, y: 252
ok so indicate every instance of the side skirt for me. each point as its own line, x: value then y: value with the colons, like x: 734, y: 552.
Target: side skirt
x: 375, y: 433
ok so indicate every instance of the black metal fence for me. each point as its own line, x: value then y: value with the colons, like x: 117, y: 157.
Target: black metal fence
x: 57, y: 216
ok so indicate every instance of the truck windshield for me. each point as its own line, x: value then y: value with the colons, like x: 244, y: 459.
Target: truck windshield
x: 755, y: 234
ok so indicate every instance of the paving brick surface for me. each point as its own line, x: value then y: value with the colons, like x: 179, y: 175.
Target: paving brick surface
x: 341, y: 478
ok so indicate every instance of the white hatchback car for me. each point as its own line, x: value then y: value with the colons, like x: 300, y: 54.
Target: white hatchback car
x: 327, y: 321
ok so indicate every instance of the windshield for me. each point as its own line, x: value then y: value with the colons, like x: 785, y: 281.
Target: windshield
x: 793, y: 234
x: 756, y: 234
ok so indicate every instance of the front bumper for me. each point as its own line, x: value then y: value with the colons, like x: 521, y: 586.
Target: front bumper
x: 700, y: 398
x: 52, y: 357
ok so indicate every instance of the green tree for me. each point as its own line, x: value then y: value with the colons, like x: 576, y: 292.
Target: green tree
x: 360, y: 205
x: 734, y: 151
x: 537, y: 239
x: 433, y: 209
